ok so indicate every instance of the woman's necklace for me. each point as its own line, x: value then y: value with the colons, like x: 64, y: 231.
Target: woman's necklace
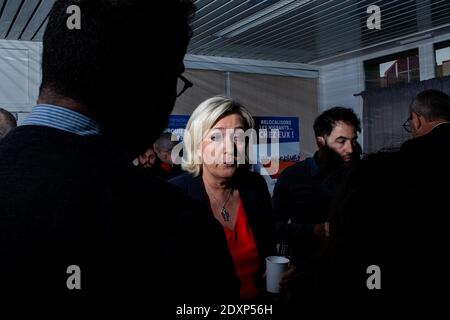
x: 223, y: 211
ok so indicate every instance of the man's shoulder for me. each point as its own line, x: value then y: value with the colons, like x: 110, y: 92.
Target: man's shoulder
x: 150, y: 184
x: 433, y: 141
x: 39, y: 132
x: 248, y: 177
x: 183, y: 180
x: 44, y: 141
x: 298, y: 169
x: 158, y: 192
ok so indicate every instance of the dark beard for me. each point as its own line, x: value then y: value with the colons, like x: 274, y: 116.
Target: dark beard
x: 329, y: 160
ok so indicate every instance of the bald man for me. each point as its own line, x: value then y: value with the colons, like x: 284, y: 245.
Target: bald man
x: 7, y: 122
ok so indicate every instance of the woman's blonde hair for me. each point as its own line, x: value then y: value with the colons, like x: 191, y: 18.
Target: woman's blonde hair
x: 204, y: 117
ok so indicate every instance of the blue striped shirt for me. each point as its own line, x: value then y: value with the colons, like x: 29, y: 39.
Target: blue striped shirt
x: 62, y: 118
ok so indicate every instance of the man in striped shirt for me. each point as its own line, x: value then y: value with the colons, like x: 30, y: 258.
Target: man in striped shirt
x: 76, y: 217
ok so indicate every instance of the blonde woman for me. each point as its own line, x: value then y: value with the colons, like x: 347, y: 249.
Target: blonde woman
x: 215, y: 158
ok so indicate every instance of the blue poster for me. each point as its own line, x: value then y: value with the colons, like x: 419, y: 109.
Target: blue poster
x: 274, y: 158
x: 287, y: 126
x: 176, y: 122
x: 176, y: 125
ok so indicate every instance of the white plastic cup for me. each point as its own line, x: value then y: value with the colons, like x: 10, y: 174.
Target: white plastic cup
x: 275, y: 267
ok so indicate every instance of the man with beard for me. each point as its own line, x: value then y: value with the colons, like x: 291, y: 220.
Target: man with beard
x: 303, y: 193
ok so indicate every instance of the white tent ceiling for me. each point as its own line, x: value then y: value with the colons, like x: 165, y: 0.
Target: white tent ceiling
x: 302, y: 31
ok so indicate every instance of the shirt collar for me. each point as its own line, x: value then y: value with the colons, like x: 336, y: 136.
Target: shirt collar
x: 63, y: 119
x: 440, y: 124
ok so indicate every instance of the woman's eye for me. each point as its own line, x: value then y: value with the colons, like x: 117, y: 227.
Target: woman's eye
x: 215, y: 137
x: 238, y: 138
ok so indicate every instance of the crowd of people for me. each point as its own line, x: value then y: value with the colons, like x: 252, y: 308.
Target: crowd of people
x: 158, y: 158
x: 71, y: 195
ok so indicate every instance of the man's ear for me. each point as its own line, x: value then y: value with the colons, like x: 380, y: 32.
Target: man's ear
x: 320, y: 141
x: 416, y: 121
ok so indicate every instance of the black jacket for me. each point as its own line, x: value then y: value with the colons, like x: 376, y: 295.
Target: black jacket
x: 72, y: 200
x: 434, y: 143
x: 426, y: 162
x: 425, y: 205
x: 392, y: 212
x: 255, y: 200
x: 303, y: 195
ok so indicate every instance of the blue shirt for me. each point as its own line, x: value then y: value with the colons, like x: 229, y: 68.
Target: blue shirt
x: 62, y: 118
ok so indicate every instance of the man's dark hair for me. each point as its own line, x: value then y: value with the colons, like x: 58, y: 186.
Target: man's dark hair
x: 122, y: 64
x: 7, y: 122
x: 325, y: 122
x: 116, y: 39
x: 432, y: 105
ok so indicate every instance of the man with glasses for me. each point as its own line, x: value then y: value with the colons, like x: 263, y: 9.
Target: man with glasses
x: 76, y: 217
x: 185, y: 84
x: 390, y: 214
x: 429, y: 110
x: 427, y: 154
x: 425, y: 168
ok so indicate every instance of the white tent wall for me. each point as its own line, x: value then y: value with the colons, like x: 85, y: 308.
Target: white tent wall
x: 340, y: 81
x: 270, y: 95
x: 20, y: 76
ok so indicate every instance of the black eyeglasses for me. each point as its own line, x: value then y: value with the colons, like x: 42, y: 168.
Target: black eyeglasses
x: 406, y: 125
x: 186, y: 85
